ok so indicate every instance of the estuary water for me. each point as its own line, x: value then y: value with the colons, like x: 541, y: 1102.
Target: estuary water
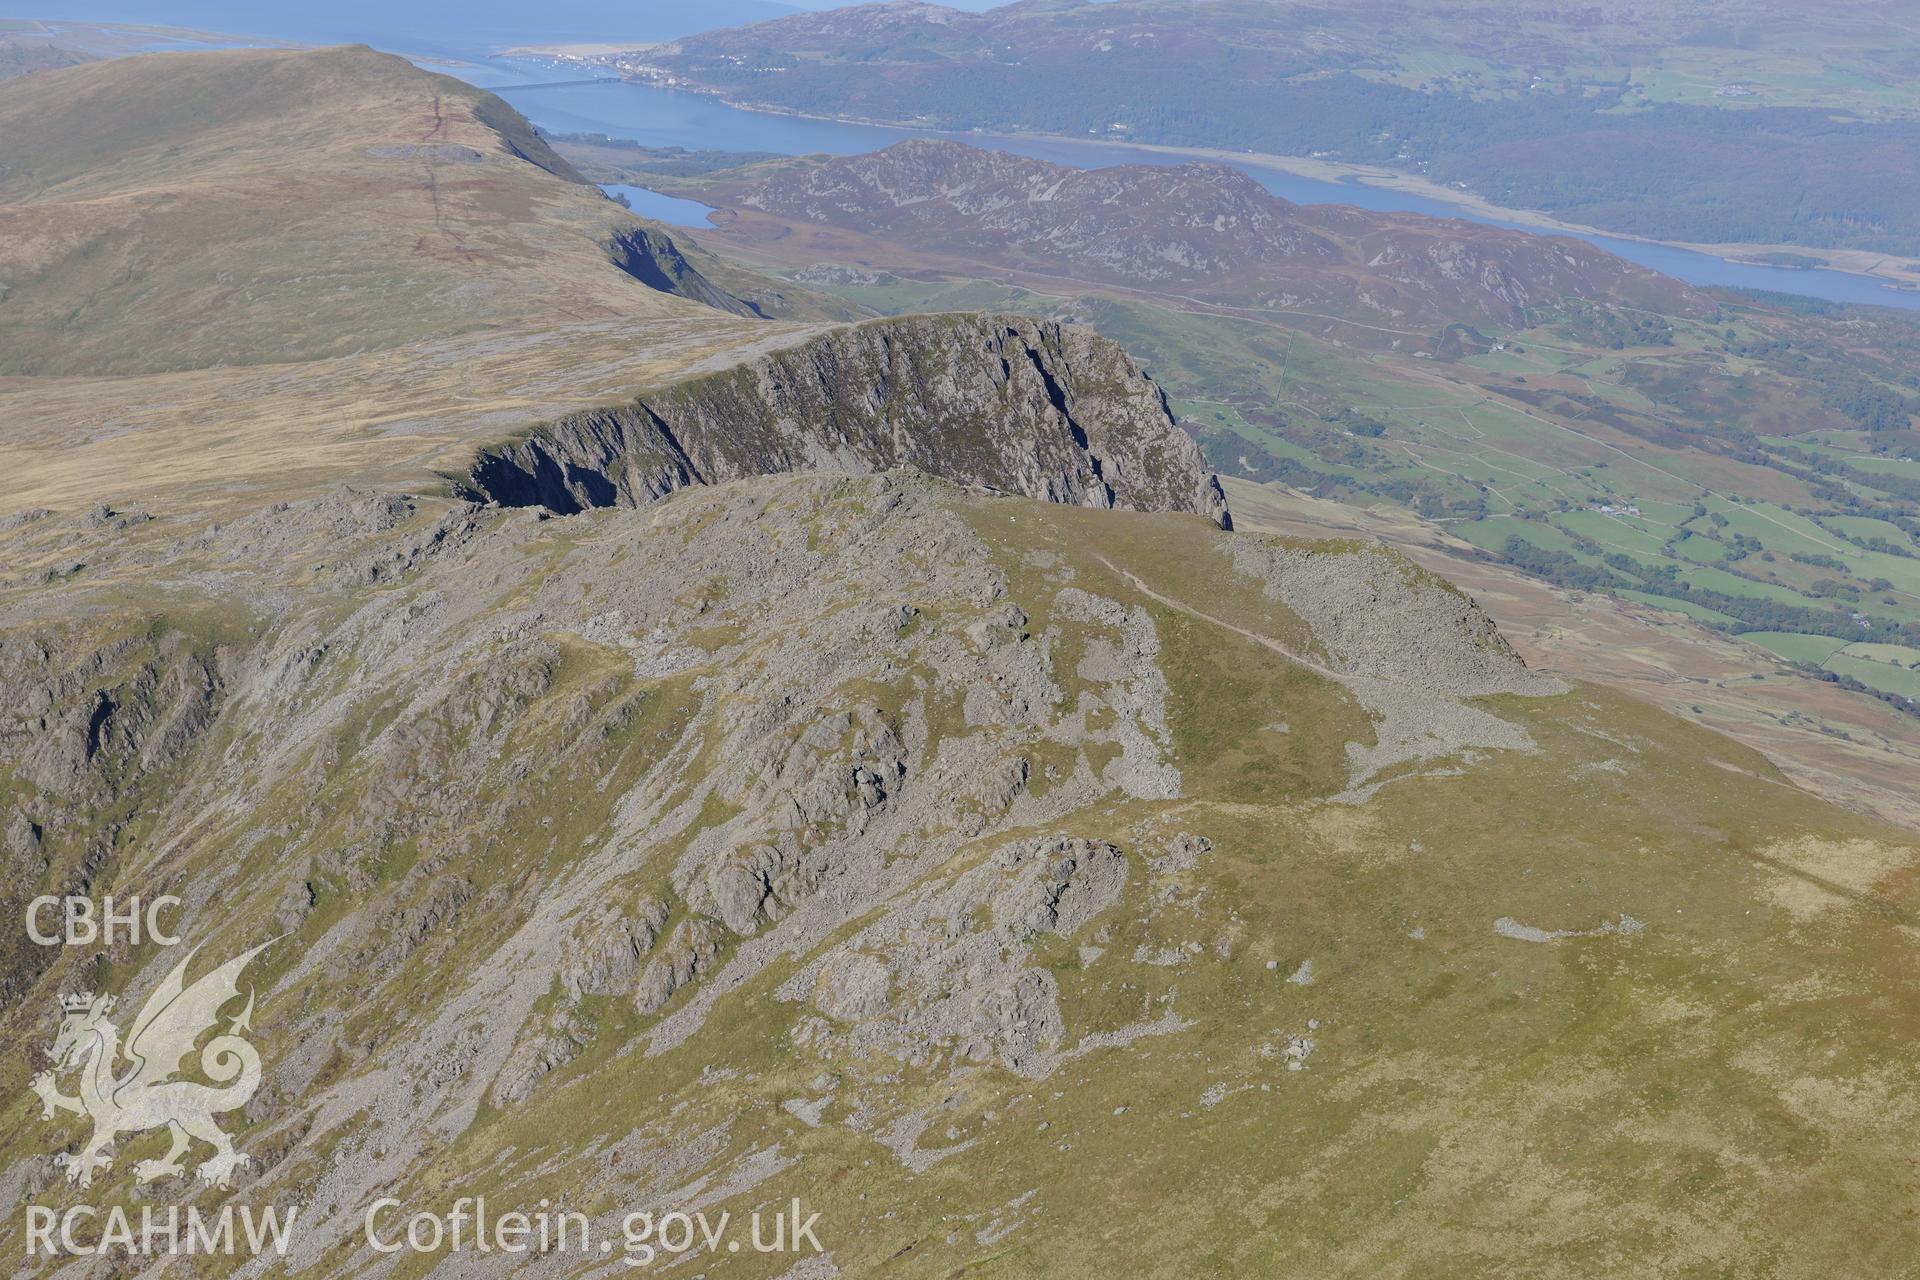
x: 669, y: 117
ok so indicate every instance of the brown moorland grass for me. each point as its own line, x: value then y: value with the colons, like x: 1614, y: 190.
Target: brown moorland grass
x: 186, y: 210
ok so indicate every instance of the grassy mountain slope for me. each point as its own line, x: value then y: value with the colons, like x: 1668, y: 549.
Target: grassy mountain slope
x: 306, y: 266
x: 172, y: 212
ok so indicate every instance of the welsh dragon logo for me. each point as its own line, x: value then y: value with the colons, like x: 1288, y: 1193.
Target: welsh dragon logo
x: 146, y: 1095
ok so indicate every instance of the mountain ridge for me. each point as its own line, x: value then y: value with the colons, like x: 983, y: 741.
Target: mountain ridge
x: 680, y: 831
x: 1002, y: 403
x: 124, y: 249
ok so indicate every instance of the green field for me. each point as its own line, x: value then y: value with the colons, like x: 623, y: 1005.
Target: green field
x: 1698, y: 612
x: 1866, y: 528
x: 1795, y: 647
x: 1893, y: 669
x: 1722, y: 581
x: 1615, y: 533
x: 1888, y: 668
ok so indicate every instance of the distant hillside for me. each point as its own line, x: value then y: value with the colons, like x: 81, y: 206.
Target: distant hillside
x: 178, y: 210
x: 1203, y: 229
x: 19, y: 57
x: 1734, y: 121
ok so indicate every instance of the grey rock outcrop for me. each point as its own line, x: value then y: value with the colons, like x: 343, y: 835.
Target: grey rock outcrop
x: 1381, y: 615
x: 690, y: 952
x: 949, y: 971
x: 607, y: 960
x: 1409, y: 646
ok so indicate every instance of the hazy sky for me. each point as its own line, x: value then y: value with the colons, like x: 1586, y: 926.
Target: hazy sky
x: 441, y: 23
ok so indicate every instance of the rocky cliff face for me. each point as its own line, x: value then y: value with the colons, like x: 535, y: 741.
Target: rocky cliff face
x: 652, y: 258
x: 1003, y: 403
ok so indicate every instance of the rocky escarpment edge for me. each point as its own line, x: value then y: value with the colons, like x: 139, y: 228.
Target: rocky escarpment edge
x: 1008, y: 404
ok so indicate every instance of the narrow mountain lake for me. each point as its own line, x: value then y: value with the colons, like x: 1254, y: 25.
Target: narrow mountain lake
x: 675, y: 211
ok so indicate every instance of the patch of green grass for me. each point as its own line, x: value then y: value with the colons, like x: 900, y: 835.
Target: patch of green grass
x: 1698, y: 612
x: 1614, y: 534
x: 1866, y: 528
x: 1889, y: 668
x: 1796, y: 647
x: 1729, y: 584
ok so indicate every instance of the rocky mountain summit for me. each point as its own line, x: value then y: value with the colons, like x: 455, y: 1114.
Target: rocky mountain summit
x: 592, y: 780
x: 849, y: 835
x: 1206, y: 229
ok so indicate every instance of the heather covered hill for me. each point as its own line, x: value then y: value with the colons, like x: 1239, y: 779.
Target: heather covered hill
x: 1200, y: 229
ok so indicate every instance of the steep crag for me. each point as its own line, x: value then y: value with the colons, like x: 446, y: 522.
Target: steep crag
x: 1003, y: 403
